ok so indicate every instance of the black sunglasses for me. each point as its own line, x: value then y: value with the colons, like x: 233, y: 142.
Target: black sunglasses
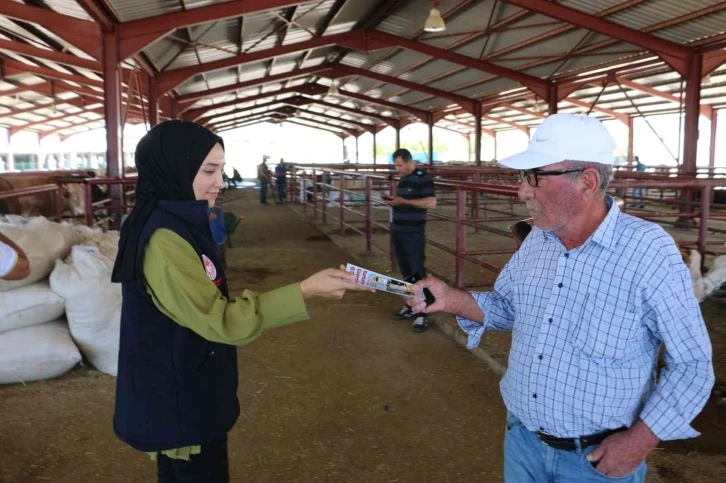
x: 532, y: 175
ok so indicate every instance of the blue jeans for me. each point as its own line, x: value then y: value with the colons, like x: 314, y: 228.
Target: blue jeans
x: 528, y: 460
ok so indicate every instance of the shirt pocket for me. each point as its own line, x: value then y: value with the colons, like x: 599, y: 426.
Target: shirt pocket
x: 605, y: 328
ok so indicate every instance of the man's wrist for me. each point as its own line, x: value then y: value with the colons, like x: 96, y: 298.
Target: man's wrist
x: 645, y: 434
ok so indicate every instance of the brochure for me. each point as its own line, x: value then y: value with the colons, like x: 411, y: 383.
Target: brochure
x: 383, y: 283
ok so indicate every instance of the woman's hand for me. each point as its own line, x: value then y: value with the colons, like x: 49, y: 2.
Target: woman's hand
x: 330, y: 283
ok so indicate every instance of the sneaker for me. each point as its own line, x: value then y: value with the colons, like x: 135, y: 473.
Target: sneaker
x: 405, y: 314
x: 420, y: 324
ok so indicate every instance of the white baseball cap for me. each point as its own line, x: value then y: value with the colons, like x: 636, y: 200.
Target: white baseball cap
x: 565, y: 137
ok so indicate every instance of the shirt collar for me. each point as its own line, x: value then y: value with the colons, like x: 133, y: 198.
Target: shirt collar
x: 605, y: 233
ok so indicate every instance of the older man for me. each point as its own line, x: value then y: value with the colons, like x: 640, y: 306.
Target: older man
x: 589, y: 297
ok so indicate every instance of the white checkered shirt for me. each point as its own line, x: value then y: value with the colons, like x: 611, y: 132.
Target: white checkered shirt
x: 586, y: 328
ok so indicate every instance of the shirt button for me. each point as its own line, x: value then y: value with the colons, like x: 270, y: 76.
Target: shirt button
x: 534, y: 396
x: 541, y: 357
x: 211, y: 353
x: 559, y: 284
x: 567, y: 255
x: 550, y: 321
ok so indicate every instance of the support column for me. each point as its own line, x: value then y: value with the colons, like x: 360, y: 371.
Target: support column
x: 357, y: 160
x: 430, y: 122
x: 153, y: 102
x: 553, y: 98
x: 693, y: 111
x: 375, y: 147
x: 112, y: 113
x: 477, y: 133
x: 712, y: 147
x: 398, y: 137
x: 344, y: 153
x: 10, y: 161
x: 690, y: 139
x: 496, y: 154
x: 174, y: 108
x: 631, y: 137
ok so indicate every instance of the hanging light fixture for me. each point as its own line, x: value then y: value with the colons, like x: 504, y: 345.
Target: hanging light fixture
x: 333, y: 90
x: 537, y: 107
x: 435, y: 23
x: 707, y: 81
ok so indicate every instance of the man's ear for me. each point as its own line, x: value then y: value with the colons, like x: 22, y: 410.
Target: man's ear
x: 590, y: 181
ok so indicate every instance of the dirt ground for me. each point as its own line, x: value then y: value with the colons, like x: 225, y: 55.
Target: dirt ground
x: 697, y: 460
x: 348, y: 396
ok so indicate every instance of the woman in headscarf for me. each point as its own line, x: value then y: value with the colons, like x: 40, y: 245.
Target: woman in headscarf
x: 176, y: 393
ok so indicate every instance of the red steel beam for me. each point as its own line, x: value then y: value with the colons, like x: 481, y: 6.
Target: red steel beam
x: 624, y: 118
x: 524, y: 111
x: 705, y: 110
x: 195, y: 96
x: 83, y: 34
x: 275, y: 114
x: 214, y: 118
x: 45, y: 134
x: 15, y: 129
x: 393, y: 122
x: 136, y: 35
x: 537, y: 85
x: 419, y: 113
x: 368, y: 127
x: 200, y: 112
x: 465, y: 102
x: 298, y: 120
x: 524, y: 129
x: 674, y: 54
x: 237, y: 122
x: 47, y: 54
x: 41, y: 88
x: 97, y: 13
x: 170, y: 79
x: 12, y: 67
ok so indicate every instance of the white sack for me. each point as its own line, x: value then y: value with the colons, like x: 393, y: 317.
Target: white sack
x: 93, y: 304
x: 42, y: 241
x: 38, y: 352
x: 30, y: 305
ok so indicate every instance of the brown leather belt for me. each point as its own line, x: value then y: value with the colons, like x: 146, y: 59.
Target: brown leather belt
x: 569, y: 444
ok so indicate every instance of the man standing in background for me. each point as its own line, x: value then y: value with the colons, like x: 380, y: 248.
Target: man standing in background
x: 414, y: 195
x: 263, y: 176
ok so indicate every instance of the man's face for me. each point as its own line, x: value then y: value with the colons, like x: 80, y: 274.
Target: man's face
x: 554, y: 202
x: 403, y: 168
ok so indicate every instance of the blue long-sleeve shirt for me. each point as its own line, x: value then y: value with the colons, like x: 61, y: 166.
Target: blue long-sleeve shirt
x: 587, y: 326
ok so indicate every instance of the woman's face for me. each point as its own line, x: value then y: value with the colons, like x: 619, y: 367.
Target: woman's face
x: 208, y: 180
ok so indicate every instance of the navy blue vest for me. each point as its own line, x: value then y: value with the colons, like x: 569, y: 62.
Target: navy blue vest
x: 174, y: 388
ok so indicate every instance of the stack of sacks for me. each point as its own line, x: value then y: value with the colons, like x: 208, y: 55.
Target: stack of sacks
x: 92, y: 303
x: 42, y: 241
x: 34, y: 339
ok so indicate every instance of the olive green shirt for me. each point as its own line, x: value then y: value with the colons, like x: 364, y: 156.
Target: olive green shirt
x: 181, y: 290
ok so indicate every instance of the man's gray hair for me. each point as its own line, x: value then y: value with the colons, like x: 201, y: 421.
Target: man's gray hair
x: 605, y: 170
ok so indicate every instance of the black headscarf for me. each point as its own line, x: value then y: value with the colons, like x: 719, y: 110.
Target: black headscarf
x: 167, y: 158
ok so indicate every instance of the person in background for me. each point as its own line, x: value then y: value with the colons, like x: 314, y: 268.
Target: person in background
x: 176, y: 390
x: 219, y: 232
x: 281, y: 180
x: 639, y: 193
x: 414, y: 195
x: 590, y: 297
x: 236, y: 177
x: 263, y: 176
x: 14, y: 264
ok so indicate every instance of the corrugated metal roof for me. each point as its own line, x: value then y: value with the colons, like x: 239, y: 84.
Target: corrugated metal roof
x: 68, y: 7
x: 127, y: 10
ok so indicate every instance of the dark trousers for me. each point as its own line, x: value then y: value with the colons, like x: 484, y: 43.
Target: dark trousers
x: 263, y: 191
x: 210, y: 466
x: 410, y: 252
x: 282, y: 192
